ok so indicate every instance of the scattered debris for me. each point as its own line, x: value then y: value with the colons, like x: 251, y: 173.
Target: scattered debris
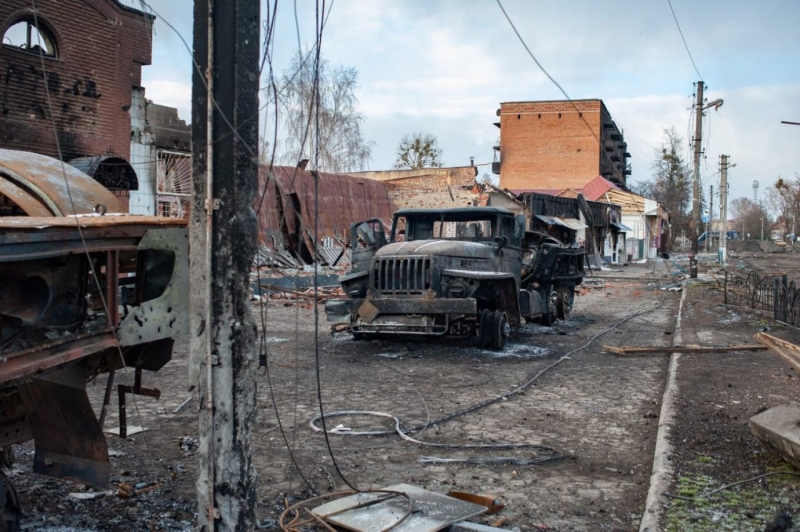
x: 187, y: 443
x: 491, y: 502
x: 180, y: 406
x: 133, y: 429
x: 90, y: 495
x: 637, y: 350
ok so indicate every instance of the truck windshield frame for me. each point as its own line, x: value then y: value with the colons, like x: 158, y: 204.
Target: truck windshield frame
x: 447, y: 226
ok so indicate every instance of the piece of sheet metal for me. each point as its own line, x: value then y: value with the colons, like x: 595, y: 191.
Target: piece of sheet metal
x: 69, y: 440
x: 42, y: 178
x: 570, y: 223
x: 430, y: 512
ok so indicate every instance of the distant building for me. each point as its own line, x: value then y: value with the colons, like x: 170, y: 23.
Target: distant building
x: 555, y: 145
x: 93, y: 52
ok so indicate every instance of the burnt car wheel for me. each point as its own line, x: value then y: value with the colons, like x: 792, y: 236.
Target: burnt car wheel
x: 566, y: 296
x: 501, y: 330
x: 485, y: 327
x: 552, y: 310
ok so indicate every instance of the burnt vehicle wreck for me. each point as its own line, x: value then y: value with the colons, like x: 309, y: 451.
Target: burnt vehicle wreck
x: 467, y: 272
x: 81, y: 296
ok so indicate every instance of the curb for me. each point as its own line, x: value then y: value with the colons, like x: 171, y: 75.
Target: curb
x: 662, y: 469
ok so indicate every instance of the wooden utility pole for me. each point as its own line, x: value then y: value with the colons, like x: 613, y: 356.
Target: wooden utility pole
x: 698, y: 148
x: 723, y: 208
x: 223, y: 243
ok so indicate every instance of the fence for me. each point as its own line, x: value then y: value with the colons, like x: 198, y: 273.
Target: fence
x: 769, y: 292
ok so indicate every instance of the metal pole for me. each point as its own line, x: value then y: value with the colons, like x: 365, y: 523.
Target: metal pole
x: 698, y: 146
x: 723, y: 208
x: 223, y: 241
x: 710, y: 223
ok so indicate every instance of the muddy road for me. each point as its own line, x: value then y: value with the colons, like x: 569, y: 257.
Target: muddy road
x: 599, y: 410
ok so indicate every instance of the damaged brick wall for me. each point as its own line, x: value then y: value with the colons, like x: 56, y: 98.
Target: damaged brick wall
x: 432, y: 187
x: 101, y: 46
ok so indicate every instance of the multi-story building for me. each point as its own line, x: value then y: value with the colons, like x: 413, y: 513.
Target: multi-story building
x: 70, y: 69
x: 554, y: 145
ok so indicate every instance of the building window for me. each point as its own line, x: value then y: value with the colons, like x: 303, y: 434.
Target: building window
x: 23, y: 35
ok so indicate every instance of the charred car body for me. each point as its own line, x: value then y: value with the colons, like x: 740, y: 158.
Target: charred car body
x: 468, y: 272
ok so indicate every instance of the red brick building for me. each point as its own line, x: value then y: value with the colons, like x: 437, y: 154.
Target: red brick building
x: 93, y: 56
x: 555, y: 145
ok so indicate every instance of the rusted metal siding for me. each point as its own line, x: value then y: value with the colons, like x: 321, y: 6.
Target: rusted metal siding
x: 287, y: 212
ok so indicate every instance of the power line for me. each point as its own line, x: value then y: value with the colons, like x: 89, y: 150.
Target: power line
x: 684, y: 40
x: 546, y: 73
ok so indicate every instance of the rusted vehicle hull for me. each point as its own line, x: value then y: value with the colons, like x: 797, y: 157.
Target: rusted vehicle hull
x: 79, y: 297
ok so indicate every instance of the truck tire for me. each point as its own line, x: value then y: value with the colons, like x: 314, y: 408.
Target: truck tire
x: 501, y: 330
x: 549, y: 318
x: 485, y: 327
x: 566, y: 296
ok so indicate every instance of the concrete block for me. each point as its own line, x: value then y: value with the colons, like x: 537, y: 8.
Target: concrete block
x: 778, y: 429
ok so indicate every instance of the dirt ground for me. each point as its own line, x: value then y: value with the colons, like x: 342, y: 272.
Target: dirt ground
x: 599, y: 410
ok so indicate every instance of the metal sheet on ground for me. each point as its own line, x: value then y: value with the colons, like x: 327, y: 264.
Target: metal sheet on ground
x: 431, y: 512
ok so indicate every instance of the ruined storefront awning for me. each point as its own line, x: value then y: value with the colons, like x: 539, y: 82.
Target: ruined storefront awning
x: 622, y: 228
x: 36, y: 184
x: 570, y: 223
x: 111, y: 171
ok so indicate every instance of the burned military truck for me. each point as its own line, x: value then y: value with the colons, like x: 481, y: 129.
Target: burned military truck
x: 472, y: 271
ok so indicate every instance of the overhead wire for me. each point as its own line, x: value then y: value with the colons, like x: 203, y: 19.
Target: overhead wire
x: 85, y: 247
x: 234, y: 131
x: 318, y: 29
x: 684, y: 40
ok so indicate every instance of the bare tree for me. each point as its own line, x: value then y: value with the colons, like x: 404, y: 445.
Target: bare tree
x: 418, y: 151
x: 783, y: 197
x: 749, y: 214
x: 341, y: 147
x: 671, y: 184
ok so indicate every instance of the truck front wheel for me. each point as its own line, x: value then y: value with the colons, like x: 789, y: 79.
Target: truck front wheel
x: 566, y: 296
x: 501, y: 330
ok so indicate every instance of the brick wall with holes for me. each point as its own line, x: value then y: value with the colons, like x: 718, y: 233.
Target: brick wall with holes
x: 442, y: 188
x: 95, y: 50
x: 554, y: 145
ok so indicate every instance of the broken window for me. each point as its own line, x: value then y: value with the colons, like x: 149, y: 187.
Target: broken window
x: 25, y: 36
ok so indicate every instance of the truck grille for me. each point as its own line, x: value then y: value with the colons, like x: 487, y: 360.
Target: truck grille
x: 402, y: 275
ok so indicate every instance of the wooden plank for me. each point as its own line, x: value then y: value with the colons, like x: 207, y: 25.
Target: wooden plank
x: 788, y: 351
x: 636, y: 350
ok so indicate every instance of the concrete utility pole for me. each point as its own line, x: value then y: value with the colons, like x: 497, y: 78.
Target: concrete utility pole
x: 223, y: 242
x: 710, y: 225
x: 698, y: 147
x: 723, y: 209
x: 698, y: 150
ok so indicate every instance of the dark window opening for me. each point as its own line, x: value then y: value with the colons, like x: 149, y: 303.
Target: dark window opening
x: 559, y: 115
x: 518, y: 117
x: 580, y: 115
x: 540, y: 115
x: 26, y: 37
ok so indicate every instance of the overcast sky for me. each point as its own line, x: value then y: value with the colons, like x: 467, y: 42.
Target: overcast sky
x: 442, y: 67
